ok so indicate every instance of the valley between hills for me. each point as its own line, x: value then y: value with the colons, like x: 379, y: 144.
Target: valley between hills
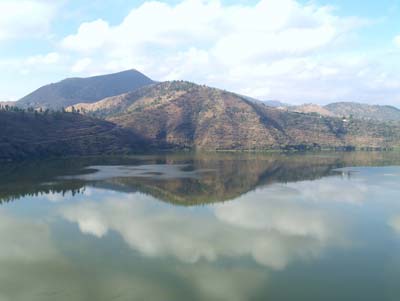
x: 127, y: 112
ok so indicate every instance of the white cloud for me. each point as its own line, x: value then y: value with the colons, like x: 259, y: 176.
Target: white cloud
x: 90, y: 36
x: 81, y: 65
x: 26, y: 18
x: 50, y: 58
x: 231, y: 34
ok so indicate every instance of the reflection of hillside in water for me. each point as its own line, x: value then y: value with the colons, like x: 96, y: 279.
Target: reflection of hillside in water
x: 184, y: 179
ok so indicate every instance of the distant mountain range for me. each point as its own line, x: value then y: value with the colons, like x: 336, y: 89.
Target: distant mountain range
x: 75, y: 90
x: 180, y: 115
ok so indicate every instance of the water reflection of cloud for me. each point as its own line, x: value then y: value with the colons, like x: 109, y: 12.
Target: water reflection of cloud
x: 55, y: 197
x: 34, y: 267
x: 224, y: 283
x: 333, y: 189
x: 273, y: 232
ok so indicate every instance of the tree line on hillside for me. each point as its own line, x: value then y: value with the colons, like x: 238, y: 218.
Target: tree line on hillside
x: 38, y: 111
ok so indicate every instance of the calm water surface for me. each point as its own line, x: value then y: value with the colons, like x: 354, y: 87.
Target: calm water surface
x: 202, y: 227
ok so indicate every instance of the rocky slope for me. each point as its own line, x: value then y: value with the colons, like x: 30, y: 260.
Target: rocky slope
x: 75, y: 90
x: 186, y: 115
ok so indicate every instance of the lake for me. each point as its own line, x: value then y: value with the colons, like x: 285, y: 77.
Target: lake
x: 322, y: 226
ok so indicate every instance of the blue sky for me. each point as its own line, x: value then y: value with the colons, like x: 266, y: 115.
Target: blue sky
x: 294, y: 51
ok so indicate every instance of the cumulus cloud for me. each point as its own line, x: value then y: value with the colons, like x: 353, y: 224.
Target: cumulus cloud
x: 25, y: 18
x: 81, y: 65
x: 50, y: 58
x: 90, y: 36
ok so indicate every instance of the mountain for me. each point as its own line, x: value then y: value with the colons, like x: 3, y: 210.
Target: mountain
x: 27, y: 135
x: 75, y: 90
x: 364, y: 111
x: 187, y: 115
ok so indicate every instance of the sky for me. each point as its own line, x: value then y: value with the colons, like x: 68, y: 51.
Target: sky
x: 295, y: 51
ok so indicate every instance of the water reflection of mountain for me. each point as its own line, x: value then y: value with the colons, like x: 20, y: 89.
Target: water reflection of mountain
x: 203, y: 178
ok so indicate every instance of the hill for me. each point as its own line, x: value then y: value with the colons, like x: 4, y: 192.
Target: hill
x: 26, y: 135
x: 75, y: 90
x: 187, y: 115
x: 364, y: 111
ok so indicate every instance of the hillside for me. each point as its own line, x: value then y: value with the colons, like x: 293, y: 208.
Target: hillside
x: 364, y: 111
x: 75, y: 90
x: 33, y: 135
x: 349, y: 110
x: 191, y: 116
x: 310, y: 109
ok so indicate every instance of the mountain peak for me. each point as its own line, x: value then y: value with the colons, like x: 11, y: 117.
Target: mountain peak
x: 75, y: 90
